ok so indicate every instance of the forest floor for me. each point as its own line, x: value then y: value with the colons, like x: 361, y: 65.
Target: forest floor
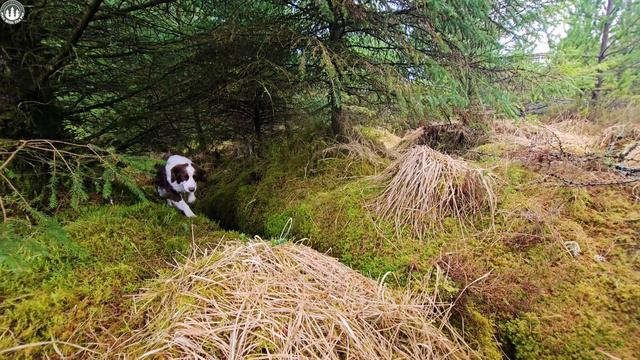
x: 515, y: 286
x: 517, y: 289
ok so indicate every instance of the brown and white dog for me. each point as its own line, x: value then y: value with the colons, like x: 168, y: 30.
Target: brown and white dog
x: 178, y: 177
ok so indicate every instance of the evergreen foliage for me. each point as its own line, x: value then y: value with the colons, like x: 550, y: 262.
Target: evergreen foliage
x: 45, y: 175
x: 155, y: 74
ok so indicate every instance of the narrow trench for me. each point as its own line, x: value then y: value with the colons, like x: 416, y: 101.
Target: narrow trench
x: 223, y: 206
x: 227, y: 223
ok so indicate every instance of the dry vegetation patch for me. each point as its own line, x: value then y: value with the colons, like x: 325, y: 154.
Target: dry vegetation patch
x: 446, y: 137
x: 424, y: 186
x: 262, y: 301
x: 574, y: 151
x: 571, y: 135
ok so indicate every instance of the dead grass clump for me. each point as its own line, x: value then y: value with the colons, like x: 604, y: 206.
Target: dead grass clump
x: 570, y: 135
x: 622, y: 141
x: 261, y: 301
x: 424, y: 186
x: 448, y: 137
x: 355, y: 151
x: 380, y: 135
x: 358, y: 150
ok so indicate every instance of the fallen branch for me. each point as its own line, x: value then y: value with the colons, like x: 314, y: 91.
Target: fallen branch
x: 575, y: 183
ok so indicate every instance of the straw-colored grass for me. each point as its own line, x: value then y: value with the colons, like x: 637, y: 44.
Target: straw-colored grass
x: 356, y: 151
x: 570, y: 135
x: 264, y: 301
x: 617, y: 139
x: 424, y: 186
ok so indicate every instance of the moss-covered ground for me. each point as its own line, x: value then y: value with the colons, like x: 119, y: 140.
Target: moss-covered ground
x: 536, y: 300
x: 72, y: 276
x: 516, y: 289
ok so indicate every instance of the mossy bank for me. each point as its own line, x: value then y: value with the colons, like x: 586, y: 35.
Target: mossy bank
x: 70, y: 278
x: 532, y: 300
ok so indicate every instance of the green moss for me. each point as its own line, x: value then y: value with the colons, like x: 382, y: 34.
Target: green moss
x: 541, y: 302
x: 480, y: 332
x: 77, y: 291
x: 520, y: 334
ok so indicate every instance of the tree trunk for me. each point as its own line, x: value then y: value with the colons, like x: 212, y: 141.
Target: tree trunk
x: 257, y: 122
x: 604, y: 44
x: 28, y: 106
x: 58, y: 61
x: 338, y: 122
x: 339, y: 126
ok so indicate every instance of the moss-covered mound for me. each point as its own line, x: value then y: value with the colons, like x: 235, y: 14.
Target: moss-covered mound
x: 518, y: 291
x: 69, y: 281
x: 258, y: 300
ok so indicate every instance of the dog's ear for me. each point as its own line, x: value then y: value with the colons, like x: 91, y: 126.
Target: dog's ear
x: 177, y: 173
x: 199, y: 175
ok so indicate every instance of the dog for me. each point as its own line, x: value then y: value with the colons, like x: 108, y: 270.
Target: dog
x: 176, y: 178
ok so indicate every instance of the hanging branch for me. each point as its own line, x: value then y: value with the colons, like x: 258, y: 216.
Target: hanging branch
x: 58, y: 60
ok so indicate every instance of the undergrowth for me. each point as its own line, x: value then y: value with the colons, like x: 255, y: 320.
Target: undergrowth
x: 50, y: 176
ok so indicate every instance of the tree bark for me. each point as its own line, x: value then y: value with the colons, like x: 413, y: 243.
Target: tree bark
x: 58, y: 61
x: 199, y: 131
x: 31, y: 109
x: 257, y: 122
x: 338, y: 121
x: 602, y: 54
x: 339, y: 126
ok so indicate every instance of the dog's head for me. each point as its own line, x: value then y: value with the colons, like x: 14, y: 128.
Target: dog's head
x: 187, y: 175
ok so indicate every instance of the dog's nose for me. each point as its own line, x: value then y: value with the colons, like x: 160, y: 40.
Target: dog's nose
x: 191, y: 189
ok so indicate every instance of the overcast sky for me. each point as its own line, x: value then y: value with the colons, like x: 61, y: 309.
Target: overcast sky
x: 556, y: 33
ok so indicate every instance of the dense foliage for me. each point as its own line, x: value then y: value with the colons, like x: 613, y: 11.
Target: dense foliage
x: 140, y: 74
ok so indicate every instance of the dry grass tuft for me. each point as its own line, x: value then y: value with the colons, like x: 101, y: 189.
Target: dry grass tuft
x: 424, y: 186
x: 622, y: 141
x: 359, y: 150
x: 445, y: 137
x: 570, y: 135
x: 261, y: 301
x: 356, y: 151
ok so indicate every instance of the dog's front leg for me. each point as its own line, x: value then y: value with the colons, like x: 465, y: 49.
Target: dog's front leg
x: 182, y: 206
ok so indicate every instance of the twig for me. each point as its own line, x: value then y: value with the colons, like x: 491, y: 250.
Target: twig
x: 4, y: 211
x: 557, y: 139
x: 628, y: 151
x: 13, y: 154
x: 15, y: 190
x: 41, y: 343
